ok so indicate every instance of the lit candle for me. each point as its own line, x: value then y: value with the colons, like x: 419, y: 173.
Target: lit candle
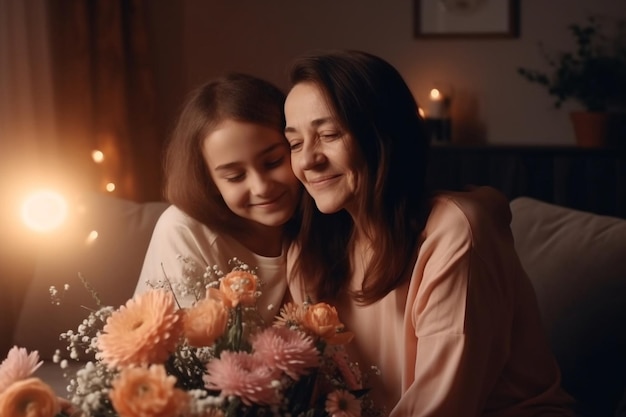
x: 436, y: 105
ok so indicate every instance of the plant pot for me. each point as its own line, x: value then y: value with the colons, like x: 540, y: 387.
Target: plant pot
x: 590, y: 128
x: 599, y: 129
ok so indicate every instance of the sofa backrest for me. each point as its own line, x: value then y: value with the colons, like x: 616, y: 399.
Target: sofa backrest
x: 577, y: 264
x: 110, y: 264
x: 576, y: 261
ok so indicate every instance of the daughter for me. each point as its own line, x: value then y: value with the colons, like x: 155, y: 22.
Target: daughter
x: 228, y: 177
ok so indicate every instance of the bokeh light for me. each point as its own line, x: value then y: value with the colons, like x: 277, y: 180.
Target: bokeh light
x: 97, y: 156
x: 44, y: 210
x: 91, y: 237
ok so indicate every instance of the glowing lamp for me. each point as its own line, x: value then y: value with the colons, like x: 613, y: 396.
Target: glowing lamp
x: 44, y: 210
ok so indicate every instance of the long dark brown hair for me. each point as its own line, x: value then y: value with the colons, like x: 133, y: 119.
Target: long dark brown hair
x: 188, y: 182
x: 371, y: 101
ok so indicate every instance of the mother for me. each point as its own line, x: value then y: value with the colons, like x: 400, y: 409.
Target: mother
x: 430, y: 284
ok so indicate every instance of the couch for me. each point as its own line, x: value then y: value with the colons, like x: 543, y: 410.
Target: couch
x: 576, y: 261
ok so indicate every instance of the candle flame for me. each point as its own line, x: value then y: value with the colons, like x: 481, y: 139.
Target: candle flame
x: 435, y: 94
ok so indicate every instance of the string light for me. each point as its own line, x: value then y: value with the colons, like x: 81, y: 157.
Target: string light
x: 97, y: 156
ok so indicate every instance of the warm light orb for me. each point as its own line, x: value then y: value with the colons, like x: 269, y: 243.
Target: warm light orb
x: 97, y: 156
x: 91, y: 237
x: 110, y: 187
x: 44, y: 210
x: 421, y: 112
x: 435, y: 94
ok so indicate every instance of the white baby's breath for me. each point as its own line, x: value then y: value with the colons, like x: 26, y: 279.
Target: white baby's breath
x: 90, y: 386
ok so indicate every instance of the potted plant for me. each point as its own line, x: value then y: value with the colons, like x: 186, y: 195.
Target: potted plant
x: 594, y: 75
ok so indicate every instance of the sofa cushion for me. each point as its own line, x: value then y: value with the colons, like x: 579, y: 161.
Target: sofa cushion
x: 577, y: 264
x: 110, y: 263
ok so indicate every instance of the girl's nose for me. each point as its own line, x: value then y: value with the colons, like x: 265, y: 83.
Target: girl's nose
x: 260, y: 184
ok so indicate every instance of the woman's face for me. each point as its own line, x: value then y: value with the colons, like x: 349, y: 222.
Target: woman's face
x: 250, y: 166
x: 324, y: 155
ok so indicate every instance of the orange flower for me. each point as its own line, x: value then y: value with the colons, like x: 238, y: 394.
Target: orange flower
x: 205, y: 322
x: 342, y: 404
x: 239, y: 287
x: 29, y: 397
x: 140, y: 392
x: 291, y: 314
x: 322, y: 320
x: 142, y: 332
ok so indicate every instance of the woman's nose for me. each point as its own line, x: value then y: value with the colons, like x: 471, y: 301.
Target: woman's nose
x: 310, y: 157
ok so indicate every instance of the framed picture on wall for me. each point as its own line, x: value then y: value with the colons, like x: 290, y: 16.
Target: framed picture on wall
x: 466, y: 18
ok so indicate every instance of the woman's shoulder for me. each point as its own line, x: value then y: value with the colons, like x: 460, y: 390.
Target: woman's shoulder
x: 476, y: 203
x: 475, y: 212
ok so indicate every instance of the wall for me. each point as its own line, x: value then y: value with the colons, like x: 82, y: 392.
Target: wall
x: 198, y: 39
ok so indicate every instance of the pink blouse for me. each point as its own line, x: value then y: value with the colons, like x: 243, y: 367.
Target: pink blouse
x: 463, y: 337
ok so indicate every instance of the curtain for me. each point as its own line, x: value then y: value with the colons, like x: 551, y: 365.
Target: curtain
x: 75, y: 76
x: 105, y: 97
x: 27, y: 138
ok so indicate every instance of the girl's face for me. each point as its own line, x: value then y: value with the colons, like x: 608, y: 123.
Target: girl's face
x: 324, y: 155
x: 250, y: 166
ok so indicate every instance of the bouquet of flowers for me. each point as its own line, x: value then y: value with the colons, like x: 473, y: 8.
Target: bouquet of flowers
x: 152, y: 358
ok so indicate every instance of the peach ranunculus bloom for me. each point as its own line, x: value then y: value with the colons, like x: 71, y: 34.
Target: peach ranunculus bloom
x: 205, y: 322
x: 144, y: 331
x: 322, y: 320
x: 142, y: 392
x: 239, y: 287
x: 29, y: 397
x: 18, y: 365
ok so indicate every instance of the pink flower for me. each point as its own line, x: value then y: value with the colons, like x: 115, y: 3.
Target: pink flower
x: 30, y: 397
x: 18, y: 365
x: 142, y: 392
x: 144, y: 331
x: 290, y: 351
x: 341, y: 403
x: 243, y: 375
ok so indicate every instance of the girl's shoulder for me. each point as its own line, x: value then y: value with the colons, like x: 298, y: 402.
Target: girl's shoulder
x: 174, y: 217
x: 175, y: 224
